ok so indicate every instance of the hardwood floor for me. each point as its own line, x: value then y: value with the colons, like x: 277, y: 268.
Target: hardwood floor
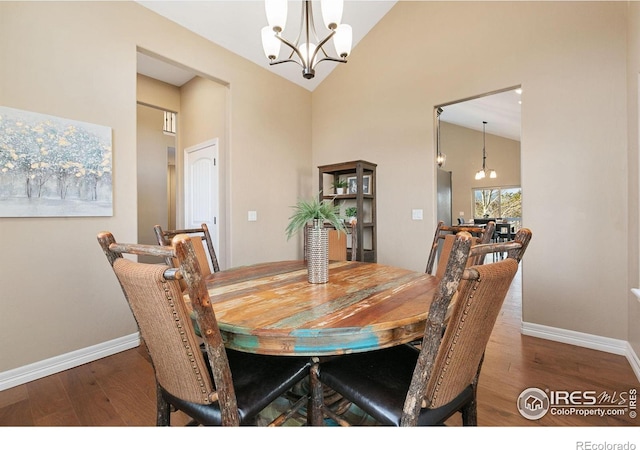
x: 119, y: 390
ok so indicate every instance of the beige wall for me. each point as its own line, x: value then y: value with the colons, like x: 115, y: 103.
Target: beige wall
x: 570, y: 60
x: 463, y: 147
x: 78, y: 60
x: 633, y: 99
x: 152, y: 161
x: 153, y: 98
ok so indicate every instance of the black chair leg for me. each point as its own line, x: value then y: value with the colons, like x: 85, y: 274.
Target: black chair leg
x: 163, y: 412
x: 470, y: 414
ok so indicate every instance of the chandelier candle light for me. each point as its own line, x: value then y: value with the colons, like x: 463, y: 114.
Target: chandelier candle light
x: 483, y: 172
x: 307, y: 50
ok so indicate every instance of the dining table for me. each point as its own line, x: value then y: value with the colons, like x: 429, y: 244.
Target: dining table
x: 271, y: 308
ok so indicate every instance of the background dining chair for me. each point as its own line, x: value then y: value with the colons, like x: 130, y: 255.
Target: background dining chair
x: 504, y: 233
x: 229, y: 387
x: 203, y: 245
x: 337, y: 246
x: 404, y: 386
x: 337, y: 243
x: 442, y: 242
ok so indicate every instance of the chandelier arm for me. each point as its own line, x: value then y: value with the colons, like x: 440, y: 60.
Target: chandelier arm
x: 282, y: 61
x: 294, y: 50
x: 320, y: 47
x: 329, y: 58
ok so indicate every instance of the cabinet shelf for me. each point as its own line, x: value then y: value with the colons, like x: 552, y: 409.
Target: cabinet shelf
x: 361, y: 176
x: 347, y: 196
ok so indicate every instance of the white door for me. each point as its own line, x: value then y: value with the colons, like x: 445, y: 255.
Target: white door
x: 201, y: 188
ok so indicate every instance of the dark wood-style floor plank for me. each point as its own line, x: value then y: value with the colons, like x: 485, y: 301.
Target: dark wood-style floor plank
x: 17, y: 414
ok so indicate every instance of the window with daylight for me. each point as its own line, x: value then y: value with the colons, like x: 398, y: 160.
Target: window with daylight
x: 498, y: 202
x: 169, y: 125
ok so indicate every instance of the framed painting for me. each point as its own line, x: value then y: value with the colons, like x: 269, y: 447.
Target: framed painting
x: 53, y: 167
x: 352, y: 184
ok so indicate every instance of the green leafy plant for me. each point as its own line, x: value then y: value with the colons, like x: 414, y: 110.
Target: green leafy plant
x: 338, y: 183
x: 308, y: 210
x: 351, y: 211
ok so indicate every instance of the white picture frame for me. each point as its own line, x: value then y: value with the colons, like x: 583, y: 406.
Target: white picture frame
x: 352, y: 183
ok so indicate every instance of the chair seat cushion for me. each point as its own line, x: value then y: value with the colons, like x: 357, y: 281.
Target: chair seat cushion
x: 378, y: 383
x: 258, y: 380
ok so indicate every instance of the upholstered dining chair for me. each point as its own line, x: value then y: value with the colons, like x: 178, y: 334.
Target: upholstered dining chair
x: 406, y: 386
x: 217, y: 387
x: 444, y: 233
x: 203, y: 245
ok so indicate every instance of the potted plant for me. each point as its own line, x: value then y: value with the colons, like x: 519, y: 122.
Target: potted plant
x: 351, y: 213
x: 306, y: 211
x: 316, y: 212
x: 339, y: 185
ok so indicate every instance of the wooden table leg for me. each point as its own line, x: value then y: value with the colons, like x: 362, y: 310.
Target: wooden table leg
x: 315, y: 414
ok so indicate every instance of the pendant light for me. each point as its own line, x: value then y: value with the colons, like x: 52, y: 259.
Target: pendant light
x: 440, y: 157
x: 482, y: 173
x: 307, y: 50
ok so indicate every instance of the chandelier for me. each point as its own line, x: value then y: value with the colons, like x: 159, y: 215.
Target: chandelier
x: 307, y: 50
x: 480, y: 174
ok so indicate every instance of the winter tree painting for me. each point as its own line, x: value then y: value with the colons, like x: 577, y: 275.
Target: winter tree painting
x: 53, y: 167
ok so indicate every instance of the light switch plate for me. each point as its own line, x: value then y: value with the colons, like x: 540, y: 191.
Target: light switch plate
x: 416, y: 214
x: 252, y: 216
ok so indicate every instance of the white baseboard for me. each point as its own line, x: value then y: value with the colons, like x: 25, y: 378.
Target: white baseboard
x: 633, y: 359
x: 40, y: 369
x: 609, y: 345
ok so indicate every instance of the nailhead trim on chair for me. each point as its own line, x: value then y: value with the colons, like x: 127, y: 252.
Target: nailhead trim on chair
x: 455, y: 341
x: 207, y: 396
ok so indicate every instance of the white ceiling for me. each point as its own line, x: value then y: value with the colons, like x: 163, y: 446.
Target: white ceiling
x: 235, y: 25
x: 501, y: 111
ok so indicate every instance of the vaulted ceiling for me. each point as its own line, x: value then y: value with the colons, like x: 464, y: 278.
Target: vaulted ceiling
x: 236, y: 25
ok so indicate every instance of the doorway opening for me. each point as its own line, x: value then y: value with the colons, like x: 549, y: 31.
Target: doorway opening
x: 467, y: 131
x: 461, y: 127
x: 198, y: 111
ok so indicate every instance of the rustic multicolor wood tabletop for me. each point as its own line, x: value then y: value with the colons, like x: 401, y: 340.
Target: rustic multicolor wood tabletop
x: 271, y: 308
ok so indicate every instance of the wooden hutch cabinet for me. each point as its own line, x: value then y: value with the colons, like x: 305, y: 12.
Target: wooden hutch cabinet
x: 361, y: 194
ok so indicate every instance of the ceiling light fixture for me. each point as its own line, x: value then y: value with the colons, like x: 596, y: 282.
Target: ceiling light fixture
x: 480, y: 174
x: 307, y: 50
x: 440, y: 157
